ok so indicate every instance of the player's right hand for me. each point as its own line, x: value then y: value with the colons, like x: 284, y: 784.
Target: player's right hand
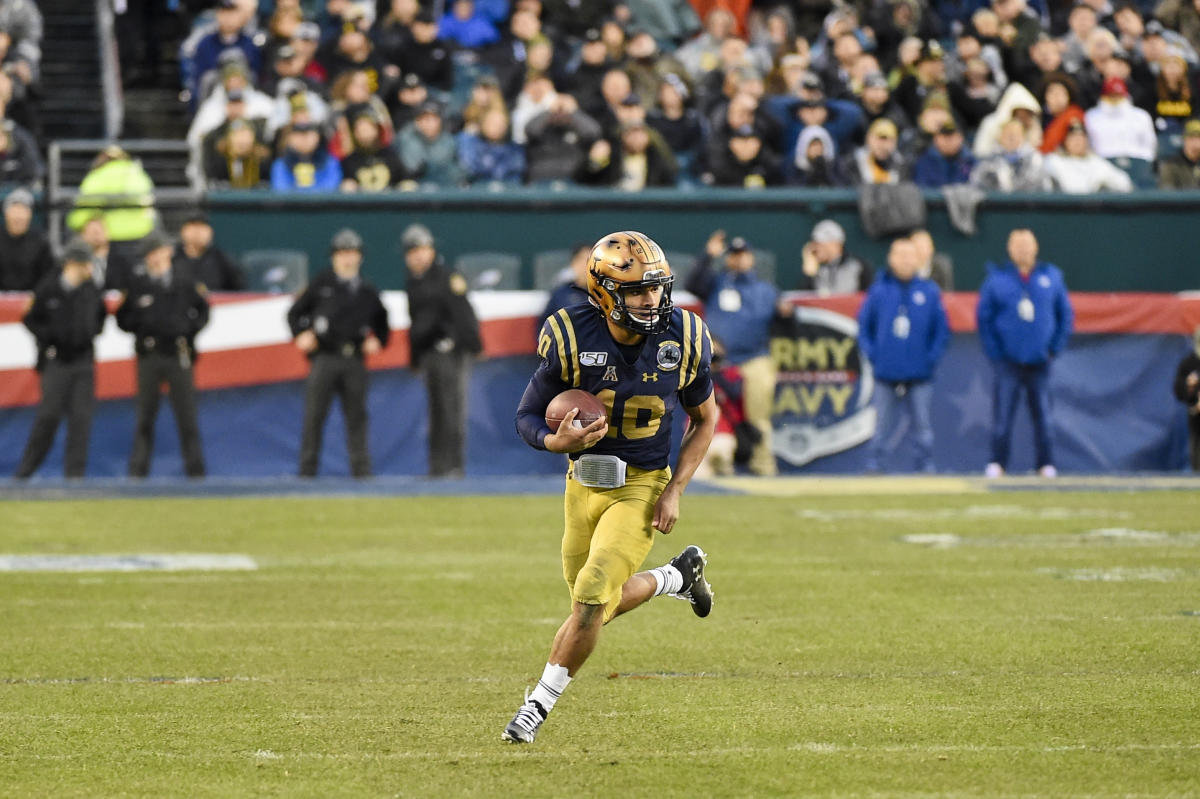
x: 570, y: 438
x: 306, y: 341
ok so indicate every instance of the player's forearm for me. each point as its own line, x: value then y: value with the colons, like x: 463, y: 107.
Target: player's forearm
x: 695, y: 444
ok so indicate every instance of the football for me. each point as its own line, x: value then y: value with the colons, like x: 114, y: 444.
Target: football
x: 590, y: 408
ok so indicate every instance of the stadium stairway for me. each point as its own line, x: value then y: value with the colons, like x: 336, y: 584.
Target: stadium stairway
x: 71, y: 104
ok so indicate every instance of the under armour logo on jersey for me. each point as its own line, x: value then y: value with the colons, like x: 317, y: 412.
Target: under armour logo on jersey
x: 649, y: 377
x: 610, y: 374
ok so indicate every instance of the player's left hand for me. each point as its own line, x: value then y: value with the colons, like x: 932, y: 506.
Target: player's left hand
x: 371, y: 345
x: 666, y: 510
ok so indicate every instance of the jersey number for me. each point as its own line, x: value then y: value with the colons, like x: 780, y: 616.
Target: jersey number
x: 640, y: 416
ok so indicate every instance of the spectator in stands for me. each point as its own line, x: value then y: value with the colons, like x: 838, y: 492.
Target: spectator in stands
x: 235, y: 114
x: 669, y: 22
x: 815, y: 162
x: 1081, y: 21
x: 536, y: 98
x: 25, y: 257
x: 392, y: 32
x: 371, y: 165
x: 306, y: 164
x: 946, y: 162
x: 647, y: 66
x: 1120, y: 130
x: 231, y: 19
x: 110, y: 269
x: 876, y: 102
x: 558, y: 142
x: 118, y: 187
x: 405, y: 99
x: 826, y: 266
x: 1182, y: 170
x: 615, y: 89
x: 281, y: 29
x: 843, y: 119
x: 1173, y: 96
x: 878, y: 160
x: 969, y: 46
x: 293, y: 95
x: 338, y: 321
x: 701, y: 54
x: 745, y: 161
x: 196, y: 259
x: 164, y: 312
x: 895, y: 21
x: 490, y: 156
x: 573, y: 290
x: 1019, y: 25
x: 464, y: 25
x: 1025, y: 318
x: 975, y: 94
x: 903, y: 332
x: 1017, y: 103
x: 1042, y: 58
x: 633, y: 162
x: 1016, y: 166
x: 743, y: 110
x: 1059, y: 98
x: 585, y: 80
x: 354, y: 51
x: 677, y: 123
x: 350, y: 94
x: 428, y: 151
x: 20, y: 162
x: 239, y: 159
x: 306, y: 42
x: 1075, y: 169
x: 1178, y: 15
x: 427, y: 55
x: 485, y: 97
x: 507, y: 57
x: 927, y: 79
x: 931, y: 264
x: 739, y: 307
x: 234, y: 98
x: 838, y: 73
x: 65, y: 316
x: 1187, y: 391
x: 736, y: 73
x: 570, y: 19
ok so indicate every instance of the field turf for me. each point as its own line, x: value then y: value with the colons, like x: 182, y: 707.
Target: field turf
x: 988, y: 645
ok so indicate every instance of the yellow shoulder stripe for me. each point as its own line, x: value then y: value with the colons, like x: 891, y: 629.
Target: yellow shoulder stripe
x: 697, y: 343
x: 567, y: 348
x: 686, y: 344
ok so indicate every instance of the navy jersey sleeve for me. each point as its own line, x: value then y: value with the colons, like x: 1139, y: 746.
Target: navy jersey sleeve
x: 695, y: 375
x: 549, y: 379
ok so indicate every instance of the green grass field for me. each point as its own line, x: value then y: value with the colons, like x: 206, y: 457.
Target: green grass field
x: 988, y: 645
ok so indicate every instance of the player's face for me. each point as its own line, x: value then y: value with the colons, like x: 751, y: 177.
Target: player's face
x: 642, y: 299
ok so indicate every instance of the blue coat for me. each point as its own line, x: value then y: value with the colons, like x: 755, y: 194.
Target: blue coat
x: 913, y: 357
x: 1008, y: 337
x: 484, y: 161
x: 738, y: 308
x: 933, y: 170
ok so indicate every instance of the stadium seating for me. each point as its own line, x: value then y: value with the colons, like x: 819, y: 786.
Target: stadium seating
x: 490, y: 271
x: 275, y: 271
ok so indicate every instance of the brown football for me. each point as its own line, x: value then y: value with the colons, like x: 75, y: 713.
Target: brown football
x: 590, y: 408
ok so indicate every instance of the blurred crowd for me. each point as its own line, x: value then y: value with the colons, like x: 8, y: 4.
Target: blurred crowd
x: 1011, y: 95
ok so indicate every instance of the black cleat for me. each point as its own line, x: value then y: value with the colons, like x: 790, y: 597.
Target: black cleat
x: 524, y: 726
x: 690, y: 563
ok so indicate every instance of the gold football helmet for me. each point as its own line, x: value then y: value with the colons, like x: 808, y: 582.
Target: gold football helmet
x: 625, y: 261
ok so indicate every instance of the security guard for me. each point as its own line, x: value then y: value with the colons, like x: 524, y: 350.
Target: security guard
x: 338, y: 319
x: 444, y: 337
x: 65, y: 315
x: 164, y: 312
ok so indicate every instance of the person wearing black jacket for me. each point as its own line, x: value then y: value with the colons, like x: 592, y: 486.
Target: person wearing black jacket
x: 444, y: 338
x: 164, y: 311
x: 337, y: 320
x: 1187, y: 391
x: 199, y: 260
x: 67, y: 312
x: 25, y: 256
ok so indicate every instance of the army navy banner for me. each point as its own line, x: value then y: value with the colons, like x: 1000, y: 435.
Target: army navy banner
x: 824, y: 386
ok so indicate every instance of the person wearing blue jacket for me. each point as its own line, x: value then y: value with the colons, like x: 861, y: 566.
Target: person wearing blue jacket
x: 903, y: 332
x: 739, y: 307
x: 1025, y: 319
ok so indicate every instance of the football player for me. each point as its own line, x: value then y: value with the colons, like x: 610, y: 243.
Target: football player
x: 642, y: 357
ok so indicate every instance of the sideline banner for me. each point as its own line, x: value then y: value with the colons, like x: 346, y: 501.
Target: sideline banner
x: 1113, y: 406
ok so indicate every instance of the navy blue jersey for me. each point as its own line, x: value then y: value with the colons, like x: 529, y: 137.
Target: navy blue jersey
x: 640, y: 386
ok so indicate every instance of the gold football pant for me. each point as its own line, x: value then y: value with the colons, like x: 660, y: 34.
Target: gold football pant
x: 608, y: 533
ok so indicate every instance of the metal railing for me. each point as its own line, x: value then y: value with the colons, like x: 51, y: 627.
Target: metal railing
x: 110, y: 70
x: 61, y: 198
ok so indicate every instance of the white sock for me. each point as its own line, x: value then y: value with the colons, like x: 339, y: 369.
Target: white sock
x: 554, y: 681
x: 668, y: 578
